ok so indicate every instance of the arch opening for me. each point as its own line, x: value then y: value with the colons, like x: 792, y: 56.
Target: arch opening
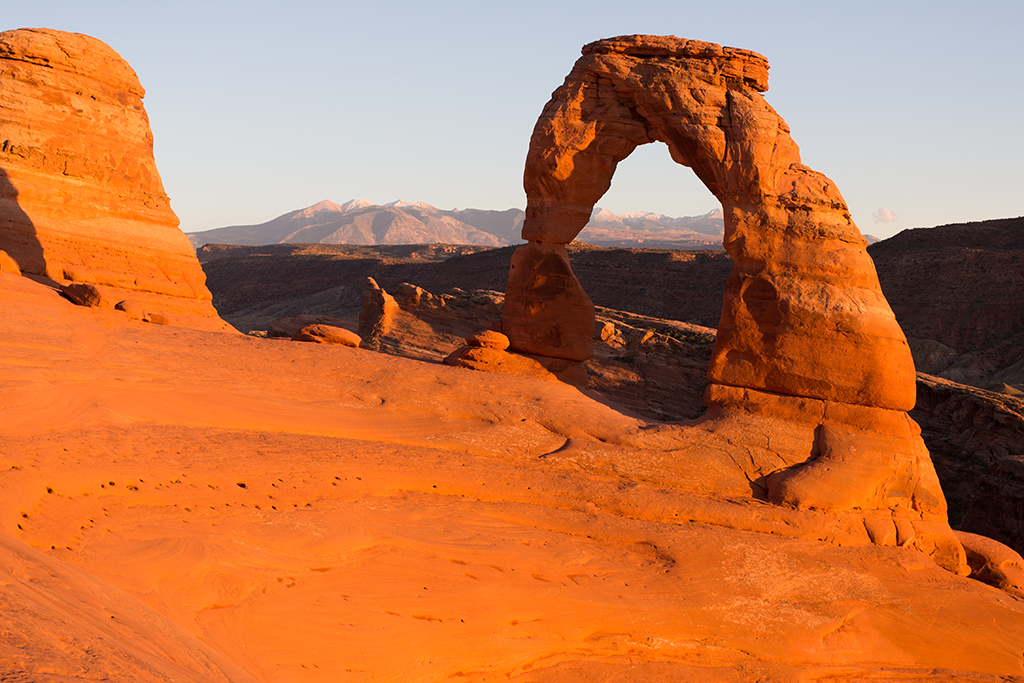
x: 655, y: 203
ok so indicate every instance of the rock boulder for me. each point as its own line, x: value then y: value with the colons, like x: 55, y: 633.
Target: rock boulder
x: 328, y: 334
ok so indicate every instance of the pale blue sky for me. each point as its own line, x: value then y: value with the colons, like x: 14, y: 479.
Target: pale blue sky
x: 259, y: 108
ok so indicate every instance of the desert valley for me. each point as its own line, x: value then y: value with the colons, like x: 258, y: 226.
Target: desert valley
x: 310, y: 457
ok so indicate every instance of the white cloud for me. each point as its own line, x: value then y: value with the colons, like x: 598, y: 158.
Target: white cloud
x: 884, y: 216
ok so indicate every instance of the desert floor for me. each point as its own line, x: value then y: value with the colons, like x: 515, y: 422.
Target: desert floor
x: 188, y: 505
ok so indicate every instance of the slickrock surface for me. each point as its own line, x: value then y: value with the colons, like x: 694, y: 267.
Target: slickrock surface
x: 655, y: 367
x: 310, y: 512
x: 80, y: 197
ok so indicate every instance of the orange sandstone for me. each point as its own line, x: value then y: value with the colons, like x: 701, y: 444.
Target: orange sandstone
x: 803, y: 314
x: 310, y: 512
x: 81, y: 200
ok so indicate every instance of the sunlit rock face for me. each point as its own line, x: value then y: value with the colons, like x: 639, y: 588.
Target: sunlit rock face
x: 803, y: 313
x: 81, y: 200
x: 805, y: 331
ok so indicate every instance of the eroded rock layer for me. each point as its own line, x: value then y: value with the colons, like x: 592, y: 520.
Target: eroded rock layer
x: 80, y: 197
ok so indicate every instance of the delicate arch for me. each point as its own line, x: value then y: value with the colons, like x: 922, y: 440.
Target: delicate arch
x: 803, y: 315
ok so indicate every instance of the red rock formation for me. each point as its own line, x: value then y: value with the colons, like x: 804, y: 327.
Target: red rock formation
x: 805, y: 332
x: 378, y: 313
x: 546, y: 309
x: 80, y: 196
x: 488, y: 339
x: 804, y: 314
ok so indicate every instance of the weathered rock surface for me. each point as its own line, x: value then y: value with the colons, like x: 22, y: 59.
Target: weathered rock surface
x: 133, y: 309
x: 57, y: 619
x: 497, y: 361
x: 80, y: 197
x: 86, y: 295
x: 8, y: 264
x: 994, y: 563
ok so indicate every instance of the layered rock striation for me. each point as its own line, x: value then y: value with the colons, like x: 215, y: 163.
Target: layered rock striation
x: 805, y: 333
x: 81, y: 200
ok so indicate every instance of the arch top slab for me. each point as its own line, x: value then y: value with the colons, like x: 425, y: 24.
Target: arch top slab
x: 702, y: 100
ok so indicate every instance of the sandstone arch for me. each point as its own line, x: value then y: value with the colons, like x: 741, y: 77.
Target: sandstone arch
x: 803, y: 315
x: 811, y: 375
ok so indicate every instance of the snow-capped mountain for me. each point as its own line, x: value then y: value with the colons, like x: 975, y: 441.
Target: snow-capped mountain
x: 653, y: 230
x: 360, y: 221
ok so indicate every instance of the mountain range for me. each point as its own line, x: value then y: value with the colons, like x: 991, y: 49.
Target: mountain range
x: 360, y: 221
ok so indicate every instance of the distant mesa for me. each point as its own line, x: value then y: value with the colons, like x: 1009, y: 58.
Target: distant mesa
x: 957, y: 292
x: 81, y: 200
x: 360, y: 221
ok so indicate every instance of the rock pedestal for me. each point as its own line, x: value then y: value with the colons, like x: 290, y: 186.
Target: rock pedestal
x: 81, y: 200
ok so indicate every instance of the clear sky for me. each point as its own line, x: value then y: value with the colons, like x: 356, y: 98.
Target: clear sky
x: 914, y: 109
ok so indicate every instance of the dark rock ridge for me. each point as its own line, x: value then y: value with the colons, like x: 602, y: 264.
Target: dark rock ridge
x: 958, y: 292
x: 255, y: 285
